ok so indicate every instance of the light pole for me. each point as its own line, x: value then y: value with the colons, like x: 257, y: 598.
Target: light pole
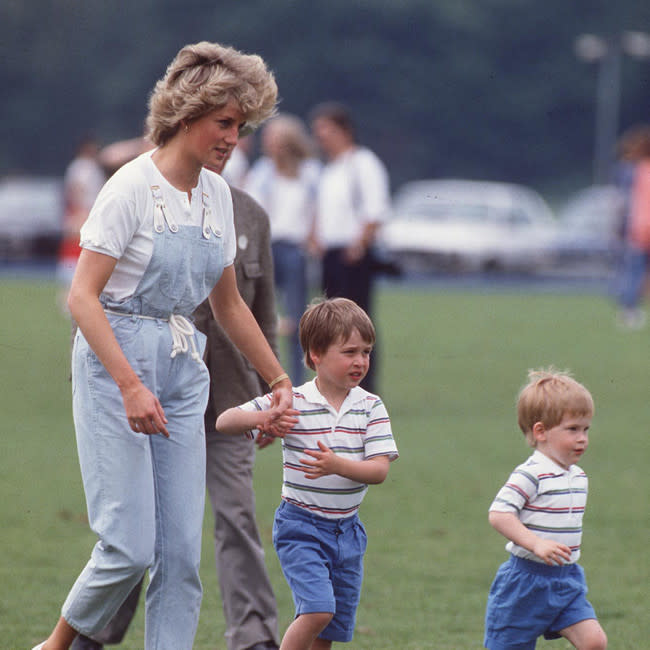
x: 608, y: 53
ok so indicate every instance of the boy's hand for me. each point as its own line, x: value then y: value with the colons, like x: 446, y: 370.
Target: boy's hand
x: 324, y: 462
x: 552, y: 552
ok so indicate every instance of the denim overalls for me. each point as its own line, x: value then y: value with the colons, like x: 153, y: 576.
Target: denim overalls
x: 145, y: 493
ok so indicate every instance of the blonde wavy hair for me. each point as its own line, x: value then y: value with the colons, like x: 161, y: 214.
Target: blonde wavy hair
x: 548, y: 396
x: 204, y: 77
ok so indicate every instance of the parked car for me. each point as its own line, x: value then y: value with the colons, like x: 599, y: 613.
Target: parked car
x: 30, y: 217
x: 464, y: 225
x: 589, y: 239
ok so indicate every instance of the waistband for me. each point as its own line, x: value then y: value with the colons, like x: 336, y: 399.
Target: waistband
x: 181, y: 329
x: 296, y: 512
x: 539, y: 568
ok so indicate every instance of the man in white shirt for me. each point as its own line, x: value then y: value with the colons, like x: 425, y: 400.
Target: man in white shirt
x: 353, y: 200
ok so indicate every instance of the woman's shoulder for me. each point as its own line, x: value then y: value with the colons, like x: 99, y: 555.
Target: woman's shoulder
x: 132, y: 176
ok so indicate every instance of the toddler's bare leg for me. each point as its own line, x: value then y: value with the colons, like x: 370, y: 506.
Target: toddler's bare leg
x: 62, y: 636
x: 321, y: 644
x: 586, y: 635
x: 302, y: 633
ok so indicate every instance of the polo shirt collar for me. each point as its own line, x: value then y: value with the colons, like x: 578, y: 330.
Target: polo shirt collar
x: 312, y: 394
x: 543, y: 459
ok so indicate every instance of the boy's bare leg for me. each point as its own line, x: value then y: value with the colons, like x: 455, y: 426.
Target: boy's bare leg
x: 62, y: 636
x: 321, y: 644
x: 586, y: 635
x: 302, y: 633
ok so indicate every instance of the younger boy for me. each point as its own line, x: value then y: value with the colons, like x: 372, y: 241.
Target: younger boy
x: 336, y: 442
x: 541, y: 589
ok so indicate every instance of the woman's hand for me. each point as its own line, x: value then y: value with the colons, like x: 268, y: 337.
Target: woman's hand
x: 276, y: 426
x: 143, y: 410
x: 282, y: 396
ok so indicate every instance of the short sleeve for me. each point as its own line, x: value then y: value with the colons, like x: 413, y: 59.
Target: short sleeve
x: 379, y: 439
x: 519, y: 489
x: 262, y: 403
x: 111, y: 223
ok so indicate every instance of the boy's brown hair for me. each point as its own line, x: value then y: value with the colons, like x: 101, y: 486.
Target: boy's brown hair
x: 548, y: 396
x: 327, y: 321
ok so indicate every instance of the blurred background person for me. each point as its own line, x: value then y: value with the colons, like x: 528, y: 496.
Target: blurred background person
x: 353, y: 200
x: 632, y: 175
x: 116, y: 154
x: 238, y: 164
x: 247, y: 596
x: 285, y: 182
x: 82, y: 181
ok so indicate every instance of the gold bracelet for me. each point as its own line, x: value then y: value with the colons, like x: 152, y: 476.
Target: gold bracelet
x: 278, y: 379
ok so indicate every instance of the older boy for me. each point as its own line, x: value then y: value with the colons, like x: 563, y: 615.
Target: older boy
x: 541, y: 589
x: 336, y: 441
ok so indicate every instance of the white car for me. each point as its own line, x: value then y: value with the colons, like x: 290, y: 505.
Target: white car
x: 590, y: 224
x: 31, y: 211
x: 464, y: 225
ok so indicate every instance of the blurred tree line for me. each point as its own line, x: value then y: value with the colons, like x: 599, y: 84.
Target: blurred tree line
x: 474, y: 88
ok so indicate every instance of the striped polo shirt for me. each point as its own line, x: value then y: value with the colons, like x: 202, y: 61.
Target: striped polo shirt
x: 359, y: 431
x: 548, y: 499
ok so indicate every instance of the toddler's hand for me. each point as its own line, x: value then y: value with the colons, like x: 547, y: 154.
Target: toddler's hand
x: 552, y: 552
x: 324, y: 462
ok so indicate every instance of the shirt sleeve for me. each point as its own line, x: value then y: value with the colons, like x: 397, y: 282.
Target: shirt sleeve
x: 262, y: 403
x: 111, y: 223
x: 519, y: 489
x: 379, y: 439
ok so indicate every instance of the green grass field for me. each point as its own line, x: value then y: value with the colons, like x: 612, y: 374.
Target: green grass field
x: 452, y: 363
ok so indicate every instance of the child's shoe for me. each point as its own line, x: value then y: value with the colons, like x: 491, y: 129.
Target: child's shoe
x: 39, y: 646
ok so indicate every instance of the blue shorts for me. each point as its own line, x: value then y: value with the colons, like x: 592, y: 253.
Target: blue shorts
x: 529, y: 599
x: 322, y: 560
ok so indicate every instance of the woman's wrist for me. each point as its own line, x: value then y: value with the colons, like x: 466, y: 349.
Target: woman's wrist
x: 284, y: 376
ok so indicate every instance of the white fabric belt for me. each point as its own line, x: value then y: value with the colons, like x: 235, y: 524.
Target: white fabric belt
x: 181, y: 329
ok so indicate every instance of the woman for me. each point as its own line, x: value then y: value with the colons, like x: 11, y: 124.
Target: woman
x: 285, y: 181
x: 159, y: 239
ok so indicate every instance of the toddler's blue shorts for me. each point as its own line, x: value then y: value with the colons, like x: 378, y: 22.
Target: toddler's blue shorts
x: 529, y: 599
x: 322, y: 560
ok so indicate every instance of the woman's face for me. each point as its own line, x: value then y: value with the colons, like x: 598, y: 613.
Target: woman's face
x: 212, y: 137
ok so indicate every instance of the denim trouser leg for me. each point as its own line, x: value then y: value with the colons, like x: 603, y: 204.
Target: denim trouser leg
x: 174, y: 594
x: 145, y: 494
x: 117, y: 476
x: 632, y: 277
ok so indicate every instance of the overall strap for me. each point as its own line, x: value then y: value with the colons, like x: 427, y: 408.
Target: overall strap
x: 210, y: 224
x: 160, y: 214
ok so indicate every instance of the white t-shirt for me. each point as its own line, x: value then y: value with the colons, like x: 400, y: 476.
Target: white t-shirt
x: 289, y: 202
x: 353, y: 192
x: 120, y: 223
